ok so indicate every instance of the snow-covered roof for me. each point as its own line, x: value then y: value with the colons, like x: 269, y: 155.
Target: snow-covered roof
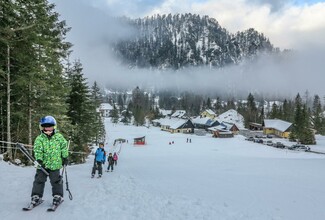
x: 201, y: 120
x: 107, y: 106
x: 178, y: 124
x: 165, y: 112
x: 225, y: 132
x: 228, y: 125
x: 209, y: 111
x: 277, y: 124
x: 179, y: 113
x: 173, y: 123
x: 233, y: 117
x: 218, y: 128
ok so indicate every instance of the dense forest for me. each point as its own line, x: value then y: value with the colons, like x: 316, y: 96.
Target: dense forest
x: 37, y: 79
x: 182, y: 40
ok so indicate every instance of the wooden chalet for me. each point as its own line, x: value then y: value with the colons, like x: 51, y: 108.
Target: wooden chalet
x: 223, y: 134
x: 105, y: 109
x: 179, y: 114
x: 208, y: 113
x: 221, y: 131
x: 204, y: 122
x: 277, y: 127
x: 175, y: 125
x: 186, y: 127
x: 231, y: 127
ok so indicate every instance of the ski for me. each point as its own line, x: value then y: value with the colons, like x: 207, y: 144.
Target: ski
x: 98, y: 177
x: 54, y: 207
x: 31, y: 205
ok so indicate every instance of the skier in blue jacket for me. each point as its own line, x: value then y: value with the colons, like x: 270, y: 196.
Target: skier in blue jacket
x: 100, y: 157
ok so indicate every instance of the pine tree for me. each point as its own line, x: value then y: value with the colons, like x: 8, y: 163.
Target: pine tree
x: 261, y: 116
x: 298, y: 116
x: 81, y: 112
x: 274, y: 111
x: 251, y: 113
x: 96, y: 95
x: 139, y: 116
x: 208, y: 103
x: 120, y: 102
x: 114, y: 115
x: 138, y: 108
x: 287, y: 111
x: 301, y: 127
x: 317, y: 114
x: 126, y: 117
x: 218, y: 106
x: 97, y: 126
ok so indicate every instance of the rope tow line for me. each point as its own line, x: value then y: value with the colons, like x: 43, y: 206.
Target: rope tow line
x: 30, y: 147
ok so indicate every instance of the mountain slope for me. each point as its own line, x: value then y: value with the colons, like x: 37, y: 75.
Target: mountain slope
x: 210, y: 178
x: 175, y: 41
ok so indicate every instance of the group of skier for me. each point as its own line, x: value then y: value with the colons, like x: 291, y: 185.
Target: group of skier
x: 50, y: 156
x: 99, y: 161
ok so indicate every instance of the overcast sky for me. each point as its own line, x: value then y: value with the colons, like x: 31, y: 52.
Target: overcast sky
x: 289, y: 24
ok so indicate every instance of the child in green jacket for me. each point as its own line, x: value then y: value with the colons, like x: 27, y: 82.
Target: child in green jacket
x: 51, y: 152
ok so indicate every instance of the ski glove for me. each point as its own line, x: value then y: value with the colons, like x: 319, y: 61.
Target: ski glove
x: 103, y: 161
x: 65, y: 161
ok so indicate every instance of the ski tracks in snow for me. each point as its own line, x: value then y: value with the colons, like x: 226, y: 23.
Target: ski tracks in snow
x: 121, y: 196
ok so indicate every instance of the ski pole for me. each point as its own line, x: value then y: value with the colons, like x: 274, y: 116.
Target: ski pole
x: 31, y: 158
x: 66, y: 177
x: 66, y: 182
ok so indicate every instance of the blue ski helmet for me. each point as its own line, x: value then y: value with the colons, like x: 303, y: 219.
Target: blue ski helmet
x: 47, y: 121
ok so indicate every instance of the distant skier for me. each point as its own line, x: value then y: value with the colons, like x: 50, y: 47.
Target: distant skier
x: 115, y: 158
x: 110, y: 160
x: 100, y: 157
x: 51, y: 152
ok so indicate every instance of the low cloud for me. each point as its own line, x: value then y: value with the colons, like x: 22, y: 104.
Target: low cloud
x: 269, y: 76
x: 290, y: 26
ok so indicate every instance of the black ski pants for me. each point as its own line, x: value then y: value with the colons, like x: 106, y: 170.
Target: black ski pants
x: 55, y: 180
x: 97, y: 166
x: 110, y: 166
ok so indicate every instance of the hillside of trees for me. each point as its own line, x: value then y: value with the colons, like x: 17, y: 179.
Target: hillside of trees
x: 177, y: 41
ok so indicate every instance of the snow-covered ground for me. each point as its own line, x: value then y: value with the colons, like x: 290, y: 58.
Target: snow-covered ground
x: 209, y: 178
